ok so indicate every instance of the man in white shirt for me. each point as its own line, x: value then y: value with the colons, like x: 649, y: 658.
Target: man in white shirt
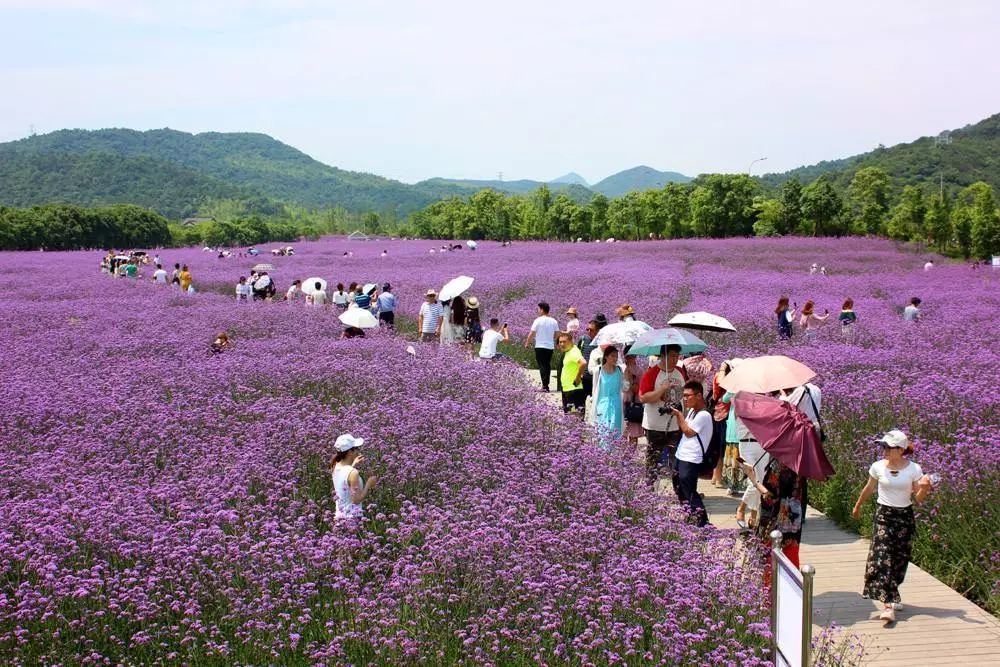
x: 912, y: 312
x: 696, y: 427
x: 543, y: 330
x: 492, y: 336
x: 160, y: 276
x: 429, y: 320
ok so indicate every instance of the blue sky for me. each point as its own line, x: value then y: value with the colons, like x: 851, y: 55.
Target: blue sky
x: 412, y: 90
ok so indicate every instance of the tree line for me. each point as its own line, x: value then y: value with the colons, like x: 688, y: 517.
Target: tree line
x: 724, y: 205
x: 963, y: 223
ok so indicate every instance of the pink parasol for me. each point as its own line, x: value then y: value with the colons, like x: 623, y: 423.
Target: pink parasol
x: 785, y: 432
x: 766, y: 374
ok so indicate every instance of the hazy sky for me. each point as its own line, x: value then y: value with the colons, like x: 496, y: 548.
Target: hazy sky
x: 467, y: 89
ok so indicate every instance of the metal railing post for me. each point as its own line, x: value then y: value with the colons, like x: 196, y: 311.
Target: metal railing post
x: 808, y: 572
x: 775, y: 549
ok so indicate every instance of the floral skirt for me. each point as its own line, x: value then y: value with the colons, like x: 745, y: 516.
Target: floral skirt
x: 892, y: 542
x: 732, y: 476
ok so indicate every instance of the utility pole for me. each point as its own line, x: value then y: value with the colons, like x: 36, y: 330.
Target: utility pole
x: 941, y: 140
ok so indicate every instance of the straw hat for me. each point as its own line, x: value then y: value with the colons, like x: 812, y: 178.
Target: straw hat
x: 572, y: 311
x: 472, y: 302
x: 431, y: 292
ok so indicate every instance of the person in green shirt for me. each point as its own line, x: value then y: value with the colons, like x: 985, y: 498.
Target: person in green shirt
x: 574, y: 397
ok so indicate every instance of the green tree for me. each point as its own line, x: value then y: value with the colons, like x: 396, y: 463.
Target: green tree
x: 937, y: 223
x: 791, y: 207
x: 985, y: 223
x: 821, y: 206
x: 907, y: 221
x: 675, y: 199
x: 869, y: 197
x: 599, y: 217
x: 768, y: 216
x: 961, y: 225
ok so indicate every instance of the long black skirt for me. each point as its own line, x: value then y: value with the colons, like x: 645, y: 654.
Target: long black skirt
x: 892, y: 543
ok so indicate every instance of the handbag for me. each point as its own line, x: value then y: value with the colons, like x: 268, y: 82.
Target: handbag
x: 633, y: 412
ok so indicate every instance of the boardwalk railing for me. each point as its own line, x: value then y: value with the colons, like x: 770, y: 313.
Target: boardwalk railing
x: 791, y: 609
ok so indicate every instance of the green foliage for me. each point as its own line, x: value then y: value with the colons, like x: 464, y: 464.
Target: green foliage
x: 68, y: 227
x: 984, y: 219
x: 821, y: 207
x: 768, y: 216
x: 907, y: 221
x: 869, y: 197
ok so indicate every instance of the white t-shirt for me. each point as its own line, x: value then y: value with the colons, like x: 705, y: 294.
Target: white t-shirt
x: 160, y: 276
x: 651, y: 417
x: 490, y: 340
x: 573, y: 326
x: 319, y: 298
x: 911, y: 313
x: 340, y: 298
x: 545, y: 329
x: 799, y: 399
x: 689, y: 449
x: 895, y: 490
x: 928, y: 266
x: 292, y: 291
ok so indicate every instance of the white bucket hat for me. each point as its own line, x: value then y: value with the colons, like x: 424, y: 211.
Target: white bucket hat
x: 347, y: 441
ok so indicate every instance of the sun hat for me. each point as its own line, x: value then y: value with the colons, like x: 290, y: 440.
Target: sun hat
x: 431, y: 292
x: 895, y: 438
x: 346, y: 442
x: 572, y: 311
x: 472, y: 303
x: 625, y: 309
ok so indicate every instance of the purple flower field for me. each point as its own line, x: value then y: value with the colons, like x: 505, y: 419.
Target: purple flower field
x: 162, y: 505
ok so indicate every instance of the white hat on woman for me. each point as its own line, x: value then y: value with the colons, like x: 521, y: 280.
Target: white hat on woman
x: 347, y: 441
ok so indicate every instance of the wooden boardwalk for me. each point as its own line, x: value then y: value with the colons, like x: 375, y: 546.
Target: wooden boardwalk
x: 936, y: 627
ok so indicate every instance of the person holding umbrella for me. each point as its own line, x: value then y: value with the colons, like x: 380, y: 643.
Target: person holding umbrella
x: 660, y: 389
x: 899, y: 483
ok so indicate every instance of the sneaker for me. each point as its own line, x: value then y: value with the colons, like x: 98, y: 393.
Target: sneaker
x: 888, y: 615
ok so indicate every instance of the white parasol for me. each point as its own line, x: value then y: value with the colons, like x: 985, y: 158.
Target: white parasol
x: 454, y: 287
x: 263, y: 267
x: 701, y: 321
x: 621, y: 333
x: 361, y: 318
x: 309, y: 285
x: 471, y: 244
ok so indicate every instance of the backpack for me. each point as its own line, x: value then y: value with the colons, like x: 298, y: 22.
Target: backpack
x: 709, y: 458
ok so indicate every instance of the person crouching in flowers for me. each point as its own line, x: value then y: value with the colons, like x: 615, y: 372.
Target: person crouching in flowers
x: 899, y: 482
x: 220, y: 344
x: 349, y: 489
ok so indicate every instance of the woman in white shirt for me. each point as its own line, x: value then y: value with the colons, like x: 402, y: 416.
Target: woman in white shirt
x: 340, y: 297
x: 349, y: 488
x: 899, y: 482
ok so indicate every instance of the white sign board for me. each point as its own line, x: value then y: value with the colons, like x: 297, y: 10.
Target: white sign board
x: 788, y: 616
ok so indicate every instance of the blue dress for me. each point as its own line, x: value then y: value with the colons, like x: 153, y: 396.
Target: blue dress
x: 608, y: 410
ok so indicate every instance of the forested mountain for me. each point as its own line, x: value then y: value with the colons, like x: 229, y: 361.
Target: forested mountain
x: 573, y: 178
x: 962, y: 157
x: 213, y: 164
x: 637, y: 179
x: 577, y: 193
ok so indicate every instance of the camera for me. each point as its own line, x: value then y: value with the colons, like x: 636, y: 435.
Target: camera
x: 671, y: 406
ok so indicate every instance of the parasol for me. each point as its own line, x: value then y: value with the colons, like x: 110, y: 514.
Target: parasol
x: 361, y: 318
x: 785, y: 432
x: 701, y: 321
x: 761, y: 375
x: 309, y: 285
x: 651, y: 341
x: 454, y: 287
x: 621, y: 333
x: 263, y: 267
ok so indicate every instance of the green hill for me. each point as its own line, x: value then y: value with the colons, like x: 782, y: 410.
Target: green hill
x: 577, y: 193
x: 211, y: 164
x: 637, y: 179
x: 973, y: 154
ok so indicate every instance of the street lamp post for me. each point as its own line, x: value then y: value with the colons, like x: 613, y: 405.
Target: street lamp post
x: 760, y: 159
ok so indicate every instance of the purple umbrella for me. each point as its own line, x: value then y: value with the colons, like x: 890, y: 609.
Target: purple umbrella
x: 785, y: 432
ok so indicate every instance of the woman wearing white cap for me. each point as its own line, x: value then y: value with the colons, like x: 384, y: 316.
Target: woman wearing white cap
x: 899, y: 482
x: 348, y: 486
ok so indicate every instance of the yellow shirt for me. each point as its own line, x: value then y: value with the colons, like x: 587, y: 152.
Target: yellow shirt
x: 570, y: 369
x: 185, y: 278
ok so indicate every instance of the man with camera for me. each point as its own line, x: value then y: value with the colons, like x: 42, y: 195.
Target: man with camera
x: 696, y: 425
x: 659, y: 390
